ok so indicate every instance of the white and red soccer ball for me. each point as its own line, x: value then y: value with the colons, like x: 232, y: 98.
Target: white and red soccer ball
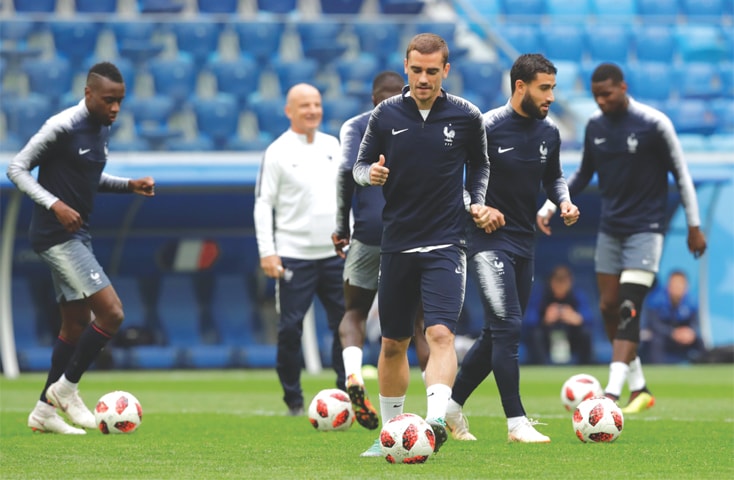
x: 579, y: 388
x: 598, y: 420
x: 407, y: 438
x: 118, y: 412
x: 331, y: 410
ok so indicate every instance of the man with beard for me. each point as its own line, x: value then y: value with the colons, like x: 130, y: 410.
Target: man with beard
x: 523, y: 147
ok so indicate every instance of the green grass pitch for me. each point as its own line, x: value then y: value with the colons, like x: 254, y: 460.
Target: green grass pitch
x: 232, y: 424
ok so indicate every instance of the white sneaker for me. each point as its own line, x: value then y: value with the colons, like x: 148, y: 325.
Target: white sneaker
x: 71, y: 404
x: 525, y: 432
x: 459, y: 426
x: 40, y: 421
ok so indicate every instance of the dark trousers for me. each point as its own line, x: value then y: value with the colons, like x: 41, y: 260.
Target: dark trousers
x: 307, y: 279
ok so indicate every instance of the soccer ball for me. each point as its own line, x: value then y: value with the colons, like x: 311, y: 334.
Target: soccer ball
x: 118, y: 412
x: 407, y: 438
x: 598, y: 420
x: 331, y: 410
x: 579, y: 388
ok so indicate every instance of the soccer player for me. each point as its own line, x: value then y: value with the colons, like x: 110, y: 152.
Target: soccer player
x: 417, y: 146
x: 631, y: 147
x: 524, y: 147
x: 70, y: 151
x: 294, y: 218
x: 363, y: 257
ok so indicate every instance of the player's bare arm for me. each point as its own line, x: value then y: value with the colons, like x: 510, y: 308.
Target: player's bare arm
x: 696, y: 241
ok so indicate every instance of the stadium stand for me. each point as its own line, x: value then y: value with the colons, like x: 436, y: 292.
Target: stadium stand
x: 95, y: 6
x: 198, y: 39
x: 34, y: 6
x: 75, y: 40
x: 341, y: 7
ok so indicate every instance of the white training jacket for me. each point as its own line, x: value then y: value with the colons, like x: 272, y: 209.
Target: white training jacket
x: 295, y: 197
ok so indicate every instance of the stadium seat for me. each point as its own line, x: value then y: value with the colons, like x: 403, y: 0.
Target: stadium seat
x: 217, y: 117
x: 726, y: 73
x: 134, y: 40
x: 650, y: 81
x: 481, y: 79
x: 568, y: 11
x: 356, y: 75
x: 701, y: 43
x: 175, y: 77
x: 321, y: 40
x: 608, y: 42
x: 95, y: 6
x: 339, y: 109
x: 567, y: 78
x: 658, y: 11
x: 199, y: 39
x: 447, y: 31
x: 699, y: 80
x: 341, y: 6
x: 291, y: 72
x: 32, y: 356
x: 271, y: 118
x: 261, y: 39
x: 51, y: 77
x: 160, y: 6
x: 401, y: 7
x: 238, y: 77
x: 75, y: 40
x: 380, y: 39
x: 178, y: 310
x: 691, y: 116
x: 721, y: 142
x: 15, y: 47
x: 234, y: 312
x: 528, y: 8
x: 654, y: 43
x: 522, y: 37
x: 723, y: 108
x: 151, y: 116
x: 697, y: 11
x: 34, y: 6
x: 562, y: 41
x: 17, y: 29
x: 276, y: 6
x: 614, y: 11
x: 220, y: 6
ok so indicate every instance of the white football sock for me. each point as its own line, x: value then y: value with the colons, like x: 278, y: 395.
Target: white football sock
x: 513, y: 422
x: 438, y: 396
x: 617, y: 376
x: 636, y: 378
x: 453, y: 407
x: 391, y: 407
x: 352, y: 358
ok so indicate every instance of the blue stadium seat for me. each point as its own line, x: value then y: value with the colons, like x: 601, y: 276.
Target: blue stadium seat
x: 95, y: 6
x: 337, y: 110
x: 401, y: 7
x: 608, y: 42
x: 490, y: 10
x: 699, y: 80
x: 32, y: 356
x: 523, y: 37
x: 341, y: 6
x: 17, y: 29
x: 654, y: 43
x: 532, y: 8
x: 614, y: 11
x: 701, y: 43
x: 650, y: 81
x: 563, y: 41
x: 567, y: 79
x: 565, y: 11
x: 75, y: 40
x: 14, y: 42
x: 261, y: 39
x: 34, y: 6
x: 726, y: 73
x: 50, y: 77
x: 134, y: 40
x: 217, y: 117
x: 321, y: 41
x: 291, y: 72
x: 447, y: 31
x: 178, y: 310
x: 160, y: 6
x: 723, y: 108
x: 691, y: 116
x: 271, y: 118
x: 658, y: 11
x: 199, y: 39
x: 220, y: 6
x: 703, y: 10
x: 481, y: 79
x: 380, y: 39
x: 721, y: 142
x: 276, y: 6
x: 238, y: 77
x: 356, y: 75
x: 175, y: 77
x: 693, y: 142
x: 151, y: 116
x: 234, y: 312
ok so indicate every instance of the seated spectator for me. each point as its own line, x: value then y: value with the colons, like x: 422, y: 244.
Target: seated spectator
x: 558, y: 322
x: 670, y: 331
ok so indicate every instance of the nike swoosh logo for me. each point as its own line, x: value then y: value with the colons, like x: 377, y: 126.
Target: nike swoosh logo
x: 599, y: 141
x: 398, y: 132
x: 82, y: 151
x: 503, y: 150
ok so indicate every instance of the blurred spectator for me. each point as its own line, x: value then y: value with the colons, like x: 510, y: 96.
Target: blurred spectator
x: 559, y: 322
x: 670, y: 330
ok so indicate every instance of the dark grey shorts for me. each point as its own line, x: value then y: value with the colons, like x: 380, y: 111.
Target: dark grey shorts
x: 75, y: 271
x: 639, y: 251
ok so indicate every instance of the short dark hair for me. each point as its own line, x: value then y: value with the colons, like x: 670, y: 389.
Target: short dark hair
x: 527, y: 67
x: 426, y: 43
x: 107, y: 70
x: 386, y: 84
x: 607, y: 71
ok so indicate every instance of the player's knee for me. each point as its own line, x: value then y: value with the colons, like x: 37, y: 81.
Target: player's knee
x: 631, y: 297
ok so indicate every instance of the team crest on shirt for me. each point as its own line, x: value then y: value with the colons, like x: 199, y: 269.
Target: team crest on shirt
x: 632, y: 143
x: 543, y: 150
x: 448, y: 136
